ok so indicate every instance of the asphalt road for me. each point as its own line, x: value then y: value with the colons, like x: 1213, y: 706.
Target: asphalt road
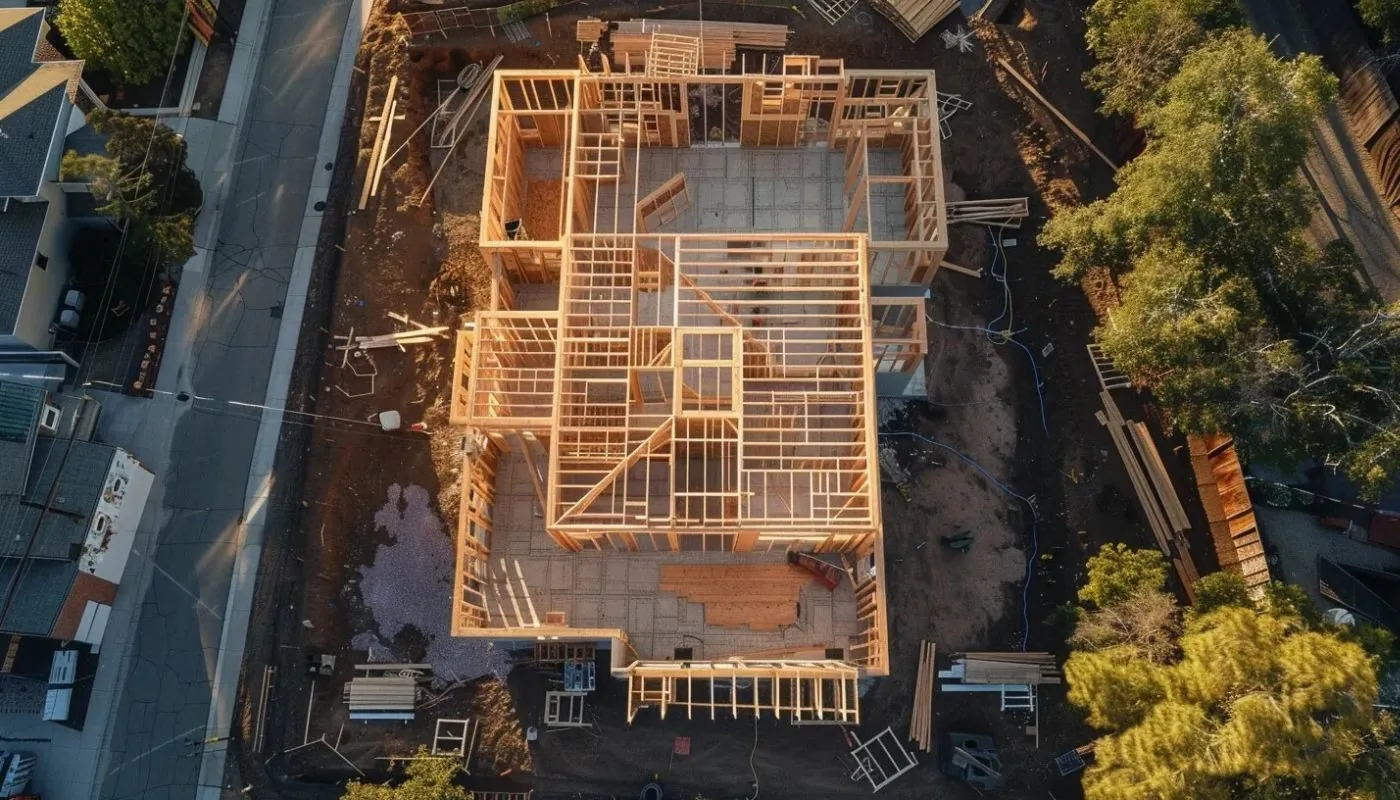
x: 165, y: 696
x: 1339, y: 169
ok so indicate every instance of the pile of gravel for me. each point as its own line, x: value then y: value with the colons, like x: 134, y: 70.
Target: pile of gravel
x: 410, y: 583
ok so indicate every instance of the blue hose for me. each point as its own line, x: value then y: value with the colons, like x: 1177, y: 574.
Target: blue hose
x: 1000, y: 338
x: 1035, y: 519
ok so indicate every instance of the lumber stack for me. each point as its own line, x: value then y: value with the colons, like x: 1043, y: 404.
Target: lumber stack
x: 589, y: 30
x: 1160, y: 503
x: 1028, y: 669
x: 1229, y: 511
x: 719, y: 41
x: 921, y: 721
x: 761, y: 597
x: 914, y: 18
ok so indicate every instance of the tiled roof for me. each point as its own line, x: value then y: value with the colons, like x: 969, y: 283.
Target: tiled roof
x: 19, y: 34
x: 42, y: 591
x: 19, y: 418
x: 32, y: 95
x: 21, y: 225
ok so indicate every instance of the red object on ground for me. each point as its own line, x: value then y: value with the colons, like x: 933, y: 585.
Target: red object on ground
x: 682, y: 747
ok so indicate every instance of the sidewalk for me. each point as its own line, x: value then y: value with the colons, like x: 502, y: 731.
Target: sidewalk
x: 171, y: 658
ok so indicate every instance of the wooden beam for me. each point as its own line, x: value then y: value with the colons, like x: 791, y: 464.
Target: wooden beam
x: 1080, y: 135
x: 376, y: 149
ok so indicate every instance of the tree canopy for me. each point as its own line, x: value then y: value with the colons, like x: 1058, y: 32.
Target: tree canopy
x: 1252, y: 701
x: 1234, y: 321
x: 426, y: 779
x: 144, y: 182
x: 1140, y: 43
x: 1383, y: 15
x: 136, y: 46
x: 1118, y: 572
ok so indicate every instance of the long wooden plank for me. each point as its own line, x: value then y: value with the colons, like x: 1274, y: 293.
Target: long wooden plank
x: 1080, y: 135
x: 374, y: 152
x: 1145, y: 497
x: 1157, y: 471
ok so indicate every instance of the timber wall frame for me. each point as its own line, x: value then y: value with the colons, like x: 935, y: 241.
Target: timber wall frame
x: 695, y: 391
x: 803, y: 692
x: 601, y: 121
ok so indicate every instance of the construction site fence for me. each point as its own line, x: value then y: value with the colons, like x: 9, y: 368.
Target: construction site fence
x: 441, y: 21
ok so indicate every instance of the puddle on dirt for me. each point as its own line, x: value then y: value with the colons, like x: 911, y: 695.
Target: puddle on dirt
x: 409, y: 585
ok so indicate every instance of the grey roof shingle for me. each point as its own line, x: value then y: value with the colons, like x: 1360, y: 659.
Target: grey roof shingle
x: 28, y: 115
x: 21, y: 225
x: 86, y: 141
x: 33, y: 92
x: 19, y: 33
x: 19, y: 418
x: 61, y: 532
x: 84, y: 466
x: 42, y: 591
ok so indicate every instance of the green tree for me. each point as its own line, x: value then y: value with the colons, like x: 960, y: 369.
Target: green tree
x: 1219, y: 590
x: 136, y: 45
x: 1139, y: 44
x: 1119, y: 572
x: 1253, y: 705
x: 143, y: 181
x: 1383, y: 15
x: 1226, y: 137
x: 1233, y: 320
x: 426, y: 778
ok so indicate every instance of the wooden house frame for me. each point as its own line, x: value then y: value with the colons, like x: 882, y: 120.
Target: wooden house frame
x: 695, y: 391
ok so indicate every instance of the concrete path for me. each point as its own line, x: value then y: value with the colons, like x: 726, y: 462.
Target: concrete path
x: 175, y: 640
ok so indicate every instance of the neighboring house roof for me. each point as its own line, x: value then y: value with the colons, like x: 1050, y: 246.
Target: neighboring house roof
x: 32, y: 97
x: 21, y: 225
x: 61, y: 532
x: 19, y: 36
x: 84, y: 466
x: 19, y: 420
x: 43, y: 590
x: 68, y: 475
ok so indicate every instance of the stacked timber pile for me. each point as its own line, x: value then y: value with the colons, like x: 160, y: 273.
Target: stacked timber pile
x: 921, y: 721
x: 719, y: 41
x: 1230, y: 512
x: 589, y: 30
x: 1028, y: 669
x: 914, y: 18
x: 1155, y: 492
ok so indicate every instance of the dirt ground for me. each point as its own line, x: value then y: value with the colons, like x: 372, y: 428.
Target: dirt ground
x: 1038, y: 502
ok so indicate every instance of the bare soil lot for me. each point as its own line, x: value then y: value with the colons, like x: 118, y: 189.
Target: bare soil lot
x: 1022, y: 462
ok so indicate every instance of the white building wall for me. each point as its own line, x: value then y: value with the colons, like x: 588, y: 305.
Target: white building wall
x: 43, y: 291
x: 105, y: 555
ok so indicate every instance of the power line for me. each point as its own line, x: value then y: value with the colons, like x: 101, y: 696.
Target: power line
x: 26, y: 561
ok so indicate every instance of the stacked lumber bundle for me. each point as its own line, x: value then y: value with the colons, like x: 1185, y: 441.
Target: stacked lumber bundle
x: 719, y: 41
x: 921, y: 722
x: 589, y: 30
x: 1229, y: 511
x: 1155, y: 492
x: 1025, y: 669
x: 1006, y: 213
x: 914, y: 18
x: 761, y: 597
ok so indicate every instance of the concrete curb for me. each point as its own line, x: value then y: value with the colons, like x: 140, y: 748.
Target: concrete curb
x: 238, y: 608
